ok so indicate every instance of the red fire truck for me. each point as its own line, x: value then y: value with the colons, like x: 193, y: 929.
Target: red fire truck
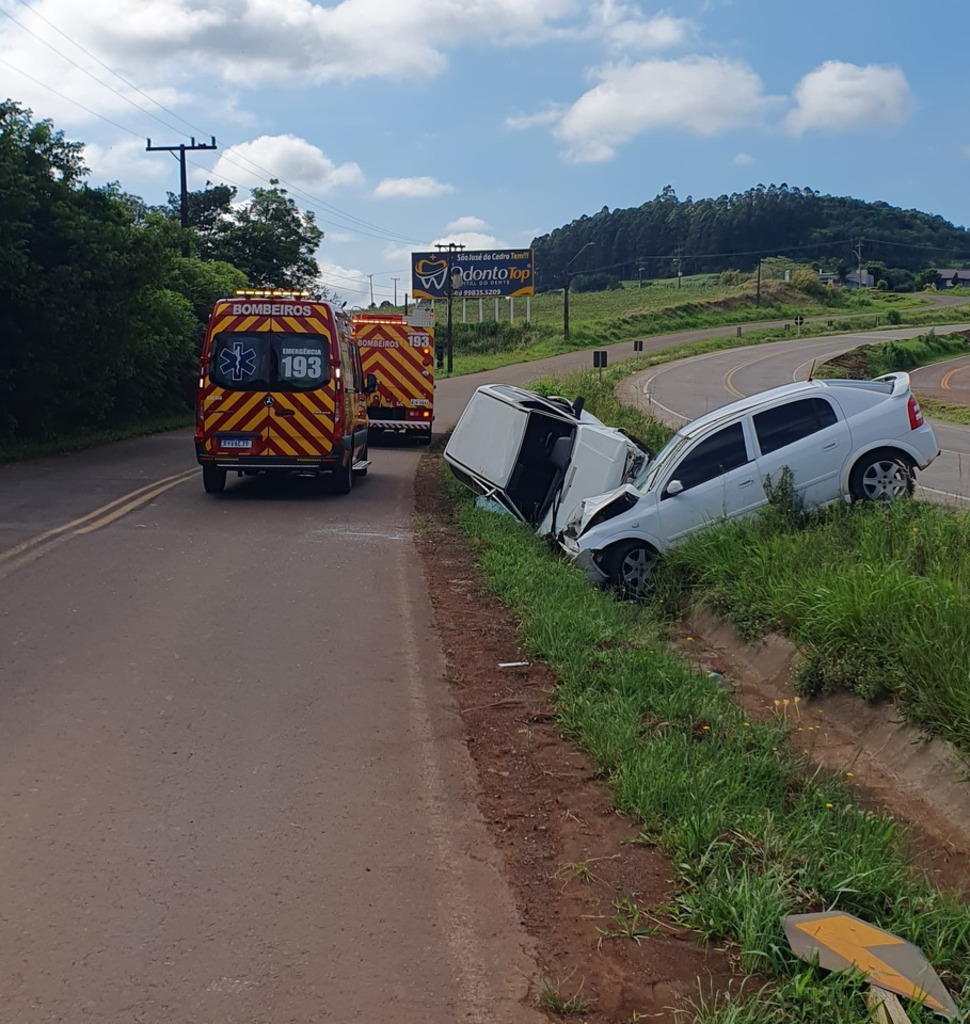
x: 399, y: 351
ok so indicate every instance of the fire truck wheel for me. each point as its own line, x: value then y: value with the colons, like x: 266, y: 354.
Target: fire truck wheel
x: 424, y: 438
x: 342, y: 480
x: 213, y: 478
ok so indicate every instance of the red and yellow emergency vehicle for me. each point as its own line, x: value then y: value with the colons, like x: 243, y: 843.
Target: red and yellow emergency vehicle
x: 399, y: 351
x: 281, y: 389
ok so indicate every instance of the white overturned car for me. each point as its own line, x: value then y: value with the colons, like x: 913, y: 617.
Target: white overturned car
x: 537, y: 456
x: 853, y: 439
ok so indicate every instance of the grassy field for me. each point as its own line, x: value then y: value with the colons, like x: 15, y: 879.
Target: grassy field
x: 598, y: 318
x: 752, y: 831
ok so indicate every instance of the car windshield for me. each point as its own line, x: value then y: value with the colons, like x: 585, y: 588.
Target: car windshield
x: 669, y: 451
x: 269, y: 361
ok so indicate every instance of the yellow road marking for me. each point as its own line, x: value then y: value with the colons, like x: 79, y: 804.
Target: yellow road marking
x: 945, y: 379
x: 34, y: 547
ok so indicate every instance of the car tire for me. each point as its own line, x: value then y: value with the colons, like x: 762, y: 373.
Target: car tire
x: 342, y: 479
x: 213, y: 478
x: 882, y: 475
x: 629, y: 566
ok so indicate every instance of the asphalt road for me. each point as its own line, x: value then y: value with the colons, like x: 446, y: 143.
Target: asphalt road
x: 233, y: 786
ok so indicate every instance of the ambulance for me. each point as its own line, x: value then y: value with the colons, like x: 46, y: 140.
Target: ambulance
x: 281, y: 390
x: 399, y: 351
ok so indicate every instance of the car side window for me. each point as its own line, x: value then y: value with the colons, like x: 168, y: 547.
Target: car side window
x: 717, y: 454
x: 786, y: 424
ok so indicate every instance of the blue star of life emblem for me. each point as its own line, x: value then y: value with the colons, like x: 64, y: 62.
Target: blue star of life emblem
x: 238, y: 362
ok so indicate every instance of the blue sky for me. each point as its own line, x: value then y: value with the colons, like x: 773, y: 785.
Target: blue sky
x: 402, y: 123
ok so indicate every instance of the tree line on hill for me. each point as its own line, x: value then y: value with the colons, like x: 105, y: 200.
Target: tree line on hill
x: 103, y: 299
x: 668, y: 236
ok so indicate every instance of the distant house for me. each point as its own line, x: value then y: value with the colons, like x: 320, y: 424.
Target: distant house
x: 949, y: 278
x: 851, y: 279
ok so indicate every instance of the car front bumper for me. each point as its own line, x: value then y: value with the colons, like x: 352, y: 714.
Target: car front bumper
x: 584, y: 559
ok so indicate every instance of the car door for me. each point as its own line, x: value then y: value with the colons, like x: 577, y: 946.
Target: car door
x: 718, y: 477
x: 811, y: 438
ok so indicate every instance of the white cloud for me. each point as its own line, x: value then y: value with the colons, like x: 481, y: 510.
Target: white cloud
x: 838, y: 97
x: 470, y: 240
x: 126, y: 159
x: 703, y: 95
x: 411, y: 188
x: 248, y: 42
x: 743, y: 160
x: 293, y: 160
x: 550, y: 115
x: 625, y: 28
x: 466, y: 224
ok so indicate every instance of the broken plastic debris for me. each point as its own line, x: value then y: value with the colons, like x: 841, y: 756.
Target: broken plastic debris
x: 491, y: 505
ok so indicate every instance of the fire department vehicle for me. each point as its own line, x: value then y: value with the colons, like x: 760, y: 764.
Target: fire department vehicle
x: 399, y: 351
x: 281, y: 389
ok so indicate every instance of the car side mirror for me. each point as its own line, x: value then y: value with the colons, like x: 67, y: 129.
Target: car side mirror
x: 370, y: 383
x: 674, y: 487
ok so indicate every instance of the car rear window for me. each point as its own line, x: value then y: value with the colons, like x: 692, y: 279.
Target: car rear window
x: 788, y: 423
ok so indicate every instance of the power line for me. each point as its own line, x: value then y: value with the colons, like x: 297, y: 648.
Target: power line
x: 348, y: 221
x: 85, y: 70
x: 70, y: 99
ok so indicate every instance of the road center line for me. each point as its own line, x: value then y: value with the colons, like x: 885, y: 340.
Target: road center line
x: 34, y: 547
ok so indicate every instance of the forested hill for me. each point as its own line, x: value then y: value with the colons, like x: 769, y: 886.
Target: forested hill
x: 668, y: 234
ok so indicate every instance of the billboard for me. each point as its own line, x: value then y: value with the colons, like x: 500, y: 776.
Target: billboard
x: 484, y: 273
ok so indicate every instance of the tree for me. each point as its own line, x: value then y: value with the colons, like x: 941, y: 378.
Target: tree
x: 270, y: 240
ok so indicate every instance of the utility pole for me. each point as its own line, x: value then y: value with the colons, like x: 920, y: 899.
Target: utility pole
x: 182, y: 149
x: 678, y: 257
x: 454, y: 284
x: 395, y: 280
x: 370, y: 277
x: 858, y: 253
x: 566, y: 278
x: 758, y: 299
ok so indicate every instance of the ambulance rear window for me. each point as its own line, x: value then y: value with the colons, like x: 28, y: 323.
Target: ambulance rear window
x: 269, y: 361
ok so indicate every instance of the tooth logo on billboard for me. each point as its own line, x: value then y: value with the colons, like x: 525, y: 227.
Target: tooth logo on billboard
x: 484, y: 273
x: 432, y: 274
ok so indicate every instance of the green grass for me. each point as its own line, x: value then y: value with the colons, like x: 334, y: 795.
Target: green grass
x: 752, y: 831
x: 876, y: 599
x: 945, y: 410
x: 600, y: 318
x: 874, y: 360
x: 552, y: 999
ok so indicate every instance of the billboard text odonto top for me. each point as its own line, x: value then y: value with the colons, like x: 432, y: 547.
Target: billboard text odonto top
x: 484, y: 273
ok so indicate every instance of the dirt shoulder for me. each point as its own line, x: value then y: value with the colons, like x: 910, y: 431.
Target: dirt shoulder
x: 574, y: 864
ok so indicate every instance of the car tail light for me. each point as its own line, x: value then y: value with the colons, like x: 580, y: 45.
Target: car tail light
x: 915, y: 414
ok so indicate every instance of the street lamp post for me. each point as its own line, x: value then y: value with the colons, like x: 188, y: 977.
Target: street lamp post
x: 565, y: 291
x: 454, y: 285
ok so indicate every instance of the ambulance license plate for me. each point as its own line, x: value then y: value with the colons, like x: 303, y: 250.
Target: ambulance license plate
x: 236, y: 442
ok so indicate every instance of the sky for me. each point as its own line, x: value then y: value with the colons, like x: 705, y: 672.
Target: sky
x: 406, y: 123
